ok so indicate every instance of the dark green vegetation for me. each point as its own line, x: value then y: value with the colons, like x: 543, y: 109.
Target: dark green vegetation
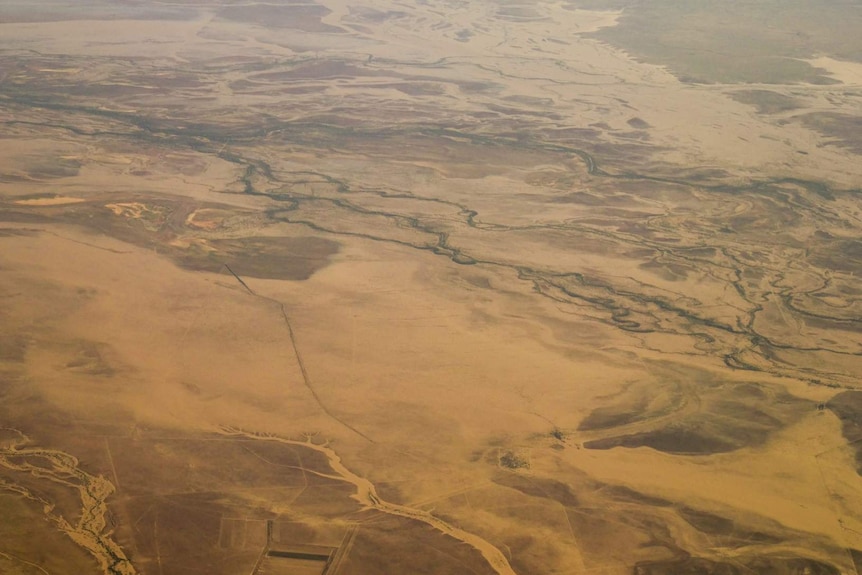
x: 738, y: 41
x: 512, y: 460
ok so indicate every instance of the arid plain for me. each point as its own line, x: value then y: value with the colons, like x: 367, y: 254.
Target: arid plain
x: 430, y: 287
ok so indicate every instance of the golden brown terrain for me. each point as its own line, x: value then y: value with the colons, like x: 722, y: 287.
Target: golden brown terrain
x: 434, y: 287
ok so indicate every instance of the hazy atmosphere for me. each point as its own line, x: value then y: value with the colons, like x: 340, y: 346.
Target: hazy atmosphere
x: 512, y: 287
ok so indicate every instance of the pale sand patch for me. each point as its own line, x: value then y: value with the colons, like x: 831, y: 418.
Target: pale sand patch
x: 99, y: 37
x: 60, y: 70
x: 748, y: 479
x: 58, y: 201
x: 170, y: 330
x: 204, y: 220
x: 586, y: 21
x: 128, y: 209
x: 846, y: 72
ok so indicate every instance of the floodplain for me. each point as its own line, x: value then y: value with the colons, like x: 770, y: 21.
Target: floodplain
x: 494, y: 288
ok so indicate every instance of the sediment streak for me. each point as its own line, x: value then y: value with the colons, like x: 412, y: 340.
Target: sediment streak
x: 366, y: 494
x: 62, y: 468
